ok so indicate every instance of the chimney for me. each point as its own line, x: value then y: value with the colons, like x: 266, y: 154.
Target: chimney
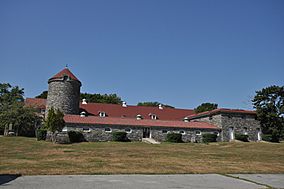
x: 124, y: 104
x: 160, y: 106
x: 84, y: 101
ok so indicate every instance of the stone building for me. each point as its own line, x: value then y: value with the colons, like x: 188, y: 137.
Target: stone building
x: 97, y: 121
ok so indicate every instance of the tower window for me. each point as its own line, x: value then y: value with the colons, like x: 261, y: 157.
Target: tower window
x: 66, y: 78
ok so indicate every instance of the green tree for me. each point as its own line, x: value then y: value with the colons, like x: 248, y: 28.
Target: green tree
x: 205, y: 107
x: 153, y: 104
x: 93, y: 98
x: 54, y: 121
x: 99, y: 98
x: 269, y: 106
x: 42, y: 95
x: 13, y: 111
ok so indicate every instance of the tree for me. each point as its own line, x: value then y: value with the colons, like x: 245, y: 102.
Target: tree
x: 42, y: 95
x: 99, y: 98
x: 269, y: 106
x: 153, y: 104
x: 205, y: 107
x: 54, y: 121
x: 13, y: 112
x: 93, y: 98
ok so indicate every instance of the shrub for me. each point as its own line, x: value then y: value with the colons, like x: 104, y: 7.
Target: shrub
x: 120, y: 136
x: 41, y: 134
x: 242, y: 137
x: 174, y: 137
x: 270, y: 138
x: 209, y: 137
x: 76, y: 136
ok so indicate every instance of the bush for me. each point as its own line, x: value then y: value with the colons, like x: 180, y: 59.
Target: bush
x: 76, y: 136
x: 120, y: 136
x: 174, y: 137
x: 41, y: 134
x: 209, y: 137
x: 270, y: 138
x: 242, y: 137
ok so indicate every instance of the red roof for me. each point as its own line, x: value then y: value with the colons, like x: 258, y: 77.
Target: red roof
x: 115, y: 110
x: 134, y: 122
x: 63, y: 73
x: 221, y: 110
x: 36, y: 102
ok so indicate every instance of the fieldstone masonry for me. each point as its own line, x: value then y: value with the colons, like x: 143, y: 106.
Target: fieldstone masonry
x: 64, y: 95
x: 239, y: 123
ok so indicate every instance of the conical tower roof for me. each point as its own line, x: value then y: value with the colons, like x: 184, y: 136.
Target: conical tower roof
x: 64, y: 72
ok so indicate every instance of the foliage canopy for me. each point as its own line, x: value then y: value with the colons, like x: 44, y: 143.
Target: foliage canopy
x: 205, y: 107
x: 269, y: 105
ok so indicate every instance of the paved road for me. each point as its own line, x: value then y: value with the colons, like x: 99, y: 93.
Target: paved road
x: 272, y: 180
x: 212, y: 181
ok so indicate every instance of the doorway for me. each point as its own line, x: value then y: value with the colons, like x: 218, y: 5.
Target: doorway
x: 258, y: 134
x: 231, y: 133
x: 146, y: 132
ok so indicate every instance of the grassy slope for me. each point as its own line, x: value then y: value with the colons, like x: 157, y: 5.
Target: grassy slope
x: 27, y: 156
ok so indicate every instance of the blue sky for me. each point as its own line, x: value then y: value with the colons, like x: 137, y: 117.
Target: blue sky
x: 178, y: 52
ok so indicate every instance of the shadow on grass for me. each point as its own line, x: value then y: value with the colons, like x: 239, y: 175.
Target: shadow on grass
x: 5, y: 178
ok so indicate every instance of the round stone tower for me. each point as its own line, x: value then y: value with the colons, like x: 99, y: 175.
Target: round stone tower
x: 64, y: 92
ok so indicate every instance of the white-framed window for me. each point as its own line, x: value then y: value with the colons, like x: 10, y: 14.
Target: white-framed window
x: 165, y: 131
x: 197, y: 132
x: 128, y: 130
x: 108, y: 130
x: 64, y: 129
x: 42, y: 111
x: 245, y: 130
x: 86, y: 129
x: 153, y: 116
x: 182, y: 132
x: 102, y: 114
x: 217, y: 133
x: 139, y: 117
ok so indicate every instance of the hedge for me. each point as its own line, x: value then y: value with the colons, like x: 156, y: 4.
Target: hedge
x: 76, y: 136
x: 174, y: 137
x: 120, y: 136
x: 209, y: 137
x: 242, y: 137
x: 41, y: 134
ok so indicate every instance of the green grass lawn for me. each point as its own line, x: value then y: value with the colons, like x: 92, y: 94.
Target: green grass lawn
x: 20, y: 155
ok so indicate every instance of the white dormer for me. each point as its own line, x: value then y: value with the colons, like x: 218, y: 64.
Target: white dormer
x: 124, y: 104
x: 139, y: 117
x: 160, y: 106
x: 153, y: 116
x: 83, y: 114
x: 186, y: 119
x: 84, y: 101
x: 102, y: 114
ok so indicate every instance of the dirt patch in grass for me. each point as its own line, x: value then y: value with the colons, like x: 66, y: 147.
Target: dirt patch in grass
x: 27, y: 156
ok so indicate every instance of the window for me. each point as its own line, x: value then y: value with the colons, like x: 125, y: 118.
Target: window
x: 108, y: 130
x: 164, y: 131
x: 42, y: 111
x: 243, y: 117
x: 65, y: 77
x: 128, y: 130
x: 153, y: 116
x: 86, y: 129
x: 217, y: 133
x: 182, y: 132
x: 102, y: 114
x: 198, y: 132
x: 64, y: 129
x: 210, y: 118
x: 245, y: 130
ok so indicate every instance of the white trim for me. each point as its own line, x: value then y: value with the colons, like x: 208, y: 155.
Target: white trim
x: 109, y: 130
x: 128, y: 131
x: 198, y: 134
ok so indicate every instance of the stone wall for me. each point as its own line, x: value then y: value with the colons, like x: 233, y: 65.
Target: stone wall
x: 94, y: 133
x: 64, y: 95
x: 241, y: 124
